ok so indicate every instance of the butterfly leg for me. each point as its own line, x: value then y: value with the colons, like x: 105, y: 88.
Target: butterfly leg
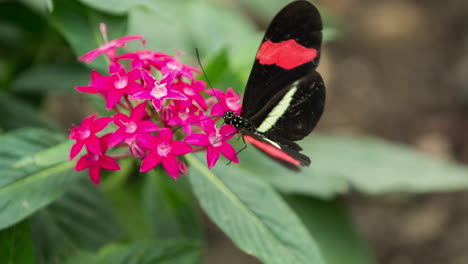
x: 240, y: 150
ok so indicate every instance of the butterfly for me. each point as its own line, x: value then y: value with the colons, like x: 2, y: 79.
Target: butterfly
x: 285, y: 96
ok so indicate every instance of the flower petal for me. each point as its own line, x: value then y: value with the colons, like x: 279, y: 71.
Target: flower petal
x: 112, y: 98
x: 95, y: 174
x: 138, y: 112
x: 108, y: 163
x: 180, y: 148
x: 86, y: 89
x: 165, y: 134
x: 157, y: 103
x: 88, y: 120
x: 212, y: 156
x: 229, y: 152
x: 170, y: 165
x: 175, y: 95
x: 101, y: 123
x: 83, y: 162
x: 75, y: 149
x: 150, y: 161
x: 217, y: 109
x: 115, y: 67
x: 147, y: 127
x: 93, y: 144
x: 148, y: 141
x: 143, y: 95
x: 198, y: 140
x: 227, y: 130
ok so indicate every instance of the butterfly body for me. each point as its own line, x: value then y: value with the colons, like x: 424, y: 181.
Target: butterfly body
x: 284, y: 96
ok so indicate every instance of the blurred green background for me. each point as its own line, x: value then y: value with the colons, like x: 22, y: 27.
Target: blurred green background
x: 394, y: 70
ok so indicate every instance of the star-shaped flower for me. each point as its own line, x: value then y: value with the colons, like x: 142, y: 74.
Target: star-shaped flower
x: 183, y: 116
x: 130, y: 126
x: 85, y: 135
x: 179, y: 69
x: 120, y: 83
x: 226, y: 101
x: 146, y: 58
x: 163, y: 150
x: 94, y: 161
x: 192, y: 92
x: 215, y: 141
x: 158, y: 91
x: 109, y: 47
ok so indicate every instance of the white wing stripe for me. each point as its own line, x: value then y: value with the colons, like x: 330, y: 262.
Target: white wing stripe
x: 277, y: 111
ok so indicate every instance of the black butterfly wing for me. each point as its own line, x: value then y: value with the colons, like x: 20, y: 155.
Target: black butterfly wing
x: 294, y: 111
x: 289, y: 51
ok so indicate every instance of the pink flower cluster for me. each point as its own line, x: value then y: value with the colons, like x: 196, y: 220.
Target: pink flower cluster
x: 159, y: 112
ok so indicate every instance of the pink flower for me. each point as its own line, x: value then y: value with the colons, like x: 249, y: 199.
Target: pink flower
x: 120, y: 83
x: 163, y: 150
x: 85, y: 135
x: 90, y: 89
x: 173, y: 66
x: 183, y: 169
x: 158, y: 91
x: 130, y: 126
x: 183, y: 116
x: 146, y: 58
x: 109, y: 48
x: 136, y: 148
x: 94, y: 162
x: 215, y: 141
x: 193, y: 92
x: 227, y: 101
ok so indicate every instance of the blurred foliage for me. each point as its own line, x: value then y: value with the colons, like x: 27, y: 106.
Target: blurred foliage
x: 134, y: 218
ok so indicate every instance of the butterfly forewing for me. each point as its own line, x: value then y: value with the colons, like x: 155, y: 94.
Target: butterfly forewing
x: 289, y: 51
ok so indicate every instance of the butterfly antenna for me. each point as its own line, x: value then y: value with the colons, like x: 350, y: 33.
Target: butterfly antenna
x: 206, y: 77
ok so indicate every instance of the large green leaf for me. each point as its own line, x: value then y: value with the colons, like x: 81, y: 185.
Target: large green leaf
x: 169, y: 207
x: 51, y: 78
x: 16, y: 244
x: 18, y: 114
x: 252, y: 214
x: 332, y: 229
x: 374, y: 166
x: 143, y: 252
x: 81, y: 219
x: 35, y: 171
x: 80, y: 26
x: 306, y: 182
x: 370, y: 165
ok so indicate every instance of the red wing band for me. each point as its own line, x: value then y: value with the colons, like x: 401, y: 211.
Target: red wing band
x: 286, y: 54
x: 272, y: 151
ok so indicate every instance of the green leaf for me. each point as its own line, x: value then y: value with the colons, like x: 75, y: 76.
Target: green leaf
x: 117, y: 7
x: 306, y: 182
x: 143, y: 252
x: 35, y: 171
x: 333, y: 230
x: 169, y: 207
x: 375, y: 166
x: 81, y: 219
x: 52, y: 78
x: 370, y: 165
x: 252, y: 214
x: 18, y: 114
x: 187, y: 25
x: 80, y: 27
x: 16, y: 244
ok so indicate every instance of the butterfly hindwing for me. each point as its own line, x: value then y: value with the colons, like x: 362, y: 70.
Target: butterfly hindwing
x: 286, y: 156
x: 294, y: 111
x: 289, y: 51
